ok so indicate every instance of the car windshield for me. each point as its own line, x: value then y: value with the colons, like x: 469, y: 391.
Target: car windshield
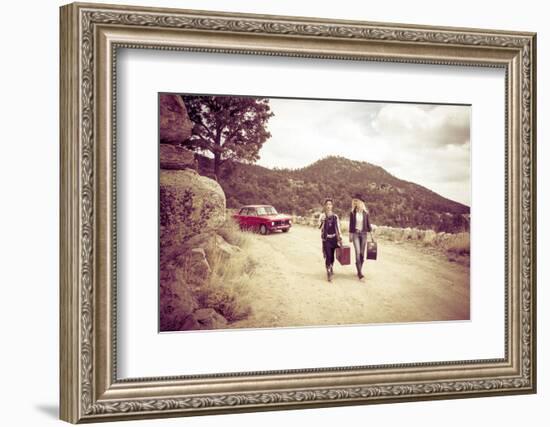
x: 266, y: 210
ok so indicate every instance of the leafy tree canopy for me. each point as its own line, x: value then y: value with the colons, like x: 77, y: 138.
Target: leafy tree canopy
x: 228, y: 127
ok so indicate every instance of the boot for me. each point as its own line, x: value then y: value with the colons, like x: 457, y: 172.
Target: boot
x: 359, y: 266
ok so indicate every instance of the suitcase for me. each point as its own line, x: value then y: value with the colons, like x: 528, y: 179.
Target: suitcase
x: 343, y: 255
x: 372, y: 249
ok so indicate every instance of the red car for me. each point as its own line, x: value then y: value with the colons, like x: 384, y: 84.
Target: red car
x: 262, y: 218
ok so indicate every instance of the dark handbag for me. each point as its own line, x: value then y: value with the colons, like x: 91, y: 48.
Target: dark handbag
x: 372, y: 248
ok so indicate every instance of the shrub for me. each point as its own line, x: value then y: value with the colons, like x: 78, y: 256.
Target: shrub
x: 344, y: 226
x: 459, y: 244
x: 227, y: 291
x: 232, y: 233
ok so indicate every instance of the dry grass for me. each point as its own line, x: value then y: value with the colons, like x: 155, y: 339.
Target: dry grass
x: 227, y: 290
x: 232, y: 234
x: 459, y: 244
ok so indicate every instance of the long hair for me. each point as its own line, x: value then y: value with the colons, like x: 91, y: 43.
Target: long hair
x: 325, y: 204
x: 360, y: 206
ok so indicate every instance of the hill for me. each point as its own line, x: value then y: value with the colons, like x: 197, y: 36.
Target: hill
x: 390, y: 200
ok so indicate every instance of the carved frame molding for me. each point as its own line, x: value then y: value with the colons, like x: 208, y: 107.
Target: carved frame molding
x: 90, y: 37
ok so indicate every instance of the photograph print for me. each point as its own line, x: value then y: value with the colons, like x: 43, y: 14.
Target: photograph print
x: 283, y: 212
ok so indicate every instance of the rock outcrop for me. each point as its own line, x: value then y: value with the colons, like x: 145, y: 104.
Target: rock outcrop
x: 192, y: 209
x: 204, y: 318
x: 211, y: 243
x: 174, y: 122
x: 178, y: 158
x: 225, y: 248
x: 190, y: 204
x: 198, y: 264
x: 177, y: 300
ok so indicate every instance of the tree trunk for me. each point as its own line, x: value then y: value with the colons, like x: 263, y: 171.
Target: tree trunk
x: 217, y: 163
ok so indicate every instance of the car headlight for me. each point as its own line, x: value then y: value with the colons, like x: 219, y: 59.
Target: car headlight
x: 290, y: 221
x: 272, y: 223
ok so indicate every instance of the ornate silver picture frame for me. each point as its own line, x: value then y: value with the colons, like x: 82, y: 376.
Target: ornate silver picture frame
x: 91, y: 35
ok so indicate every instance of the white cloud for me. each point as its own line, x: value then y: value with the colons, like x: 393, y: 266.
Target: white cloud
x: 425, y: 144
x: 442, y: 125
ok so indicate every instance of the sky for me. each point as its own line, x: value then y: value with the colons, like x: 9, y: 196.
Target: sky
x: 426, y: 144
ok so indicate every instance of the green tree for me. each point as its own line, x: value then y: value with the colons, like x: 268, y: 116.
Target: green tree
x: 228, y: 127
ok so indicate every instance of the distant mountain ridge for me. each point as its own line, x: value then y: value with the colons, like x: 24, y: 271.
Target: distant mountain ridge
x: 390, y: 200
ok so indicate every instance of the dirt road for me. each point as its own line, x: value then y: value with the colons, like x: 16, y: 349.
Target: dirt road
x: 405, y: 284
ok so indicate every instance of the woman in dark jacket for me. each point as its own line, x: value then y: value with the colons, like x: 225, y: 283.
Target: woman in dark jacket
x: 359, y: 226
x: 331, y: 236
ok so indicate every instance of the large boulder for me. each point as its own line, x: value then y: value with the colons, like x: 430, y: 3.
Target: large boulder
x: 174, y: 308
x: 174, y: 157
x: 198, y: 264
x: 190, y: 204
x: 204, y: 241
x: 180, y: 279
x: 177, y: 301
x: 175, y: 125
x: 204, y: 318
x: 225, y: 248
x: 211, y: 244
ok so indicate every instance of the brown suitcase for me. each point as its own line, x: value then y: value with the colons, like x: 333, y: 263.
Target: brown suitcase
x: 343, y: 255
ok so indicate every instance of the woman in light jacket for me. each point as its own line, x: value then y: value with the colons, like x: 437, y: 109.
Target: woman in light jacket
x: 331, y: 236
x: 359, y: 226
